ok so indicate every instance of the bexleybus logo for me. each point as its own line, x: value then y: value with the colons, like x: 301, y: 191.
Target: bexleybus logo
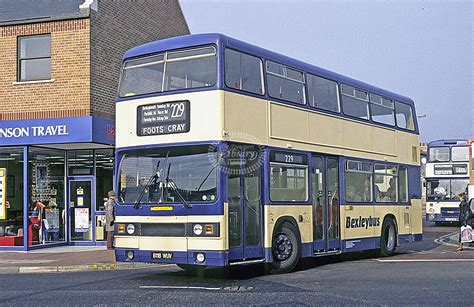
x: 362, y: 222
x: 239, y: 158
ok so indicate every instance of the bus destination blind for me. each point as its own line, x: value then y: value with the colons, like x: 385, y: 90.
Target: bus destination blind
x: 163, y: 118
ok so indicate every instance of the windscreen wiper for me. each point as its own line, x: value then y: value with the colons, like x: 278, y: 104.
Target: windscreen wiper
x: 205, y: 178
x: 154, y: 177
x: 172, y: 184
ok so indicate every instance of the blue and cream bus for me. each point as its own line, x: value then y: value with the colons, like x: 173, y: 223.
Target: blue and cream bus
x: 447, y: 175
x: 231, y: 154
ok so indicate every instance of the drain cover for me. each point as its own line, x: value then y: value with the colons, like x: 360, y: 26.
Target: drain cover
x: 238, y: 288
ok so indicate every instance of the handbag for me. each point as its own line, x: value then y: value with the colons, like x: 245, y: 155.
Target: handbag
x: 466, y: 234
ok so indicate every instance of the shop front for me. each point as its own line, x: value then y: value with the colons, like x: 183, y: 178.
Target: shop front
x: 54, y: 179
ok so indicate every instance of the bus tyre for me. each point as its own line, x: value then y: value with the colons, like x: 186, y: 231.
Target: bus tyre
x: 388, y: 239
x: 286, y: 248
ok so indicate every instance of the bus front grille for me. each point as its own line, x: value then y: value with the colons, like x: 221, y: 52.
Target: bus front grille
x: 163, y: 230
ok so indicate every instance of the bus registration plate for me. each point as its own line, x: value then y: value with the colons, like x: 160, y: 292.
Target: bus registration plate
x: 161, y: 255
x: 451, y: 219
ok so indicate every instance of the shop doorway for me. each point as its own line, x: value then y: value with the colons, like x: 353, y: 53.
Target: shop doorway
x: 81, y: 204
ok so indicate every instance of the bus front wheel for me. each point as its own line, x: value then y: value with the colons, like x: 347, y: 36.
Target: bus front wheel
x: 286, y: 248
x: 388, y: 239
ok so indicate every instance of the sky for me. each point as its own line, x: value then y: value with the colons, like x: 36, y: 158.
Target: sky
x: 420, y: 49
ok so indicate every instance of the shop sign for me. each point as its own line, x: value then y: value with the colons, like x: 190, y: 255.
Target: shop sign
x: 81, y: 219
x: 56, y: 130
x: 3, y: 180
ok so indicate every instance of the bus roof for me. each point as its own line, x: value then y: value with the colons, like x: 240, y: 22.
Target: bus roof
x: 448, y: 142
x: 225, y: 41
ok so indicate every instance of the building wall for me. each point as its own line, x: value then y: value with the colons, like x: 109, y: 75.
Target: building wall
x: 118, y: 26
x: 69, y: 94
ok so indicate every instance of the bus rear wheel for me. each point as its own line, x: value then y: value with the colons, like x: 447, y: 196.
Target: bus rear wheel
x: 388, y: 239
x: 286, y: 249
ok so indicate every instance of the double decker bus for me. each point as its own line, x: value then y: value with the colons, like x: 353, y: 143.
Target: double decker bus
x: 448, y: 174
x: 230, y: 154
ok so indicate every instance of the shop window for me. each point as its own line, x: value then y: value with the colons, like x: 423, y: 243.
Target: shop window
x: 80, y: 162
x: 11, y: 205
x: 34, y: 58
x: 104, y: 162
x: 47, y: 204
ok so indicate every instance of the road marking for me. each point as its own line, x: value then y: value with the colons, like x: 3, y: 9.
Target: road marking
x: 180, y: 288
x: 425, y: 260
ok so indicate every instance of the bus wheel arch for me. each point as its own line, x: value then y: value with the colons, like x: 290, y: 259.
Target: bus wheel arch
x: 286, y: 245
x: 388, y: 236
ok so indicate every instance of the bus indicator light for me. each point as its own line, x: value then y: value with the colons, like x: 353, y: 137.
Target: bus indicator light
x: 209, y: 229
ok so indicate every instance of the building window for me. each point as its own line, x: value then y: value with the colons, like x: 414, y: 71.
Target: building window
x: 11, y: 215
x: 47, y: 198
x: 80, y: 163
x: 34, y: 58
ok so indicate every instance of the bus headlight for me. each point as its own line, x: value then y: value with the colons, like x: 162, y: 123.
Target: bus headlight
x: 432, y: 210
x: 200, y: 257
x: 130, y: 255
x: 203, y: 229
x: 130, y: 229
x: 197, y: 229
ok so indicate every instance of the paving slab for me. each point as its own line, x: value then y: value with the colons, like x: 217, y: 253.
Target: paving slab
x: 63, y: 259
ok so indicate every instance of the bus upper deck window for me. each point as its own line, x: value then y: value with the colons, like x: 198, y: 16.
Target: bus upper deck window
x: 322, y: 93
x: 142, y: 76
x: 243, y: 72
x: 285, y: 83
x: 404, y: 115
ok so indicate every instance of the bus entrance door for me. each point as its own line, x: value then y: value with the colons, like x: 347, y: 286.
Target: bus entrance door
x: 326, y: 223
x: 245, y: 204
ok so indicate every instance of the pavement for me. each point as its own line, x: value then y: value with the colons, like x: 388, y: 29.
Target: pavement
x: 98, y: 258
x: 63, y: 259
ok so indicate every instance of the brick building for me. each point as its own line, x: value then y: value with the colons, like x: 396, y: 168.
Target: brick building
x: 60, y: 65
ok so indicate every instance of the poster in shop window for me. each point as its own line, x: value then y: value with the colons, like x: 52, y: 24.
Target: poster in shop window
x: 81, y: 219
x: 3, y: 179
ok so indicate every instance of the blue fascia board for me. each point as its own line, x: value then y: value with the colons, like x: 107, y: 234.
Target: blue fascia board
x: 83, y: 129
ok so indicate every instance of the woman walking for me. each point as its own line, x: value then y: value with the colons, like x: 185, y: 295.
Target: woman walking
x: 110, y: 219
x: 464, y: 216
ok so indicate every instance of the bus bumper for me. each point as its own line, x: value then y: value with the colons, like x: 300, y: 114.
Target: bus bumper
x: 211, y: 258
x: 433, y: 217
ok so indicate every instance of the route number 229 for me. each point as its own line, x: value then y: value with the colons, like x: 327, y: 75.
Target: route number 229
x: 177, y: 110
